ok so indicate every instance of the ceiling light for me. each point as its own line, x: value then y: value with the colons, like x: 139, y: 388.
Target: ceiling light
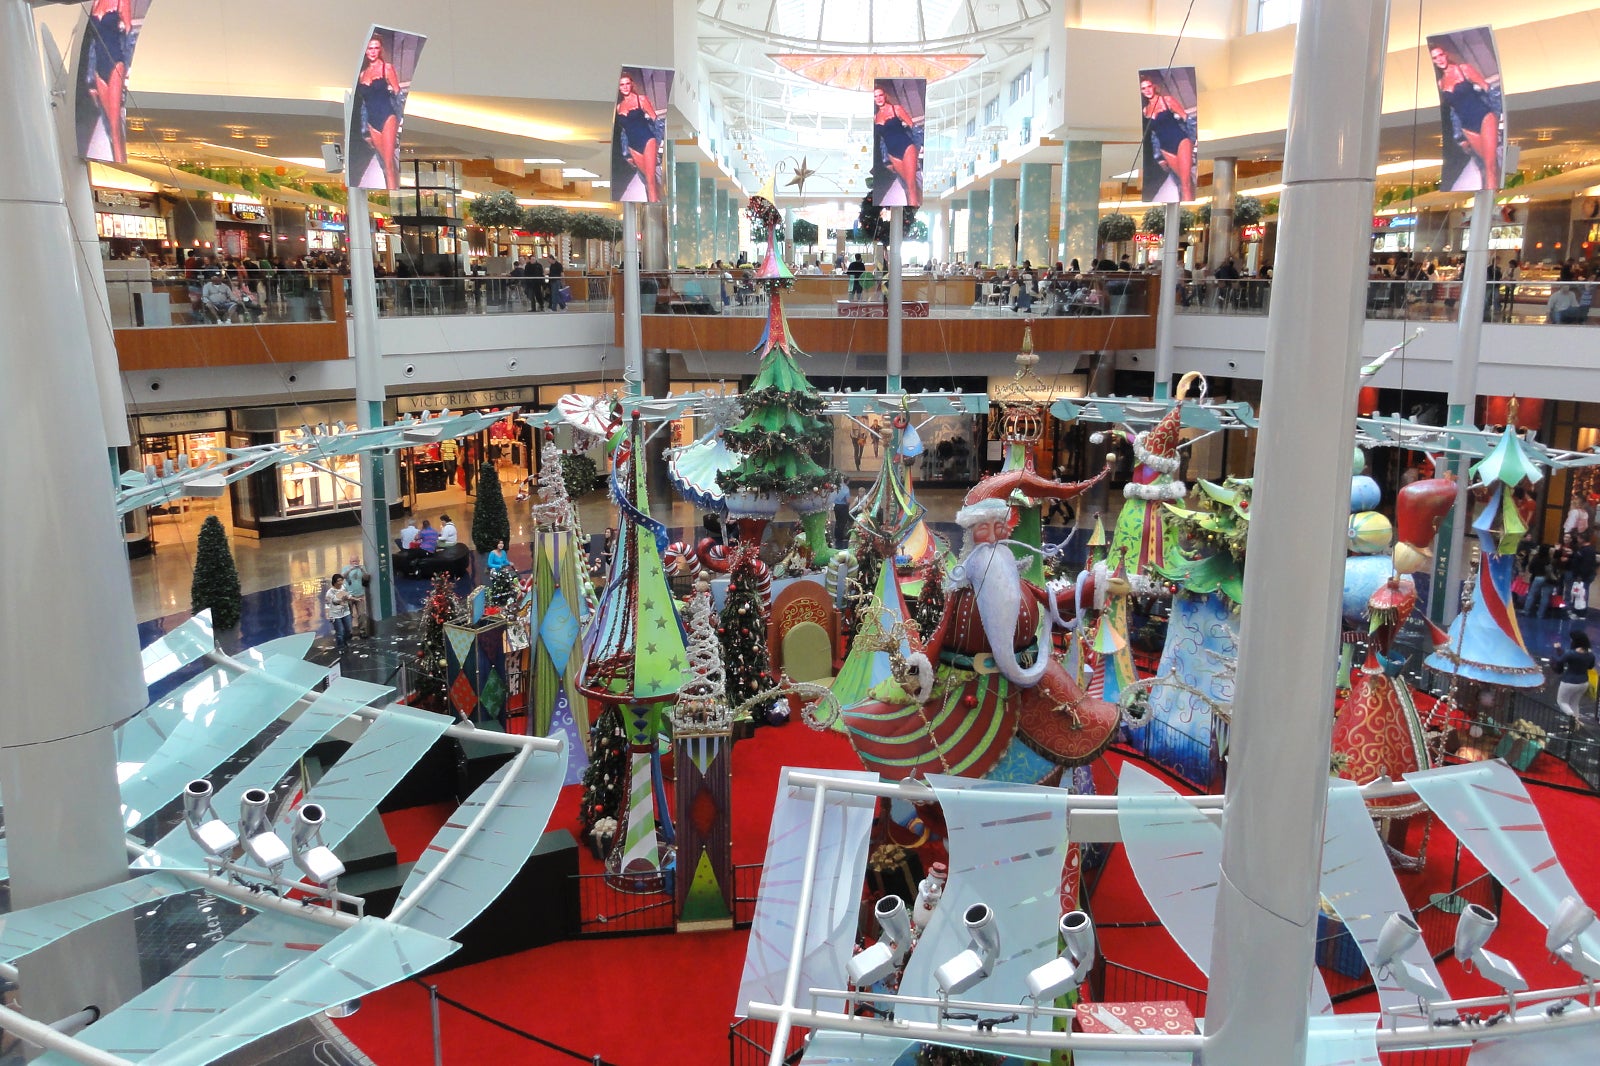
x: 545, y: 162
x: 1400, y: 932
x: 263, y: 142
x: 871, y: 965
x: 169, y: 135
x: 577, y: 172
x: 1473, y: 929
x: 236, y: 132
x: 974, y: 964
x: 1408, y: 165
x: 329, y: 137
x: 1068, y: 970
x: 135, y: 124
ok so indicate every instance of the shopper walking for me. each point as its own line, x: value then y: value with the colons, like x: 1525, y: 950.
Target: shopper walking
x: 449, y: 454
x: 558, y: 301
x: 355, y: 586
x: 336, y: 606
x: 1572, y: 692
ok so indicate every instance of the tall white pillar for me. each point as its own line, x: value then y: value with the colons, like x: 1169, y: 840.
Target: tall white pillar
x: 1166, y: 300
x: 68, y: 640
x: 632, y: 326
x: 1221, y: 231
x: 895, y: 346
x: 1445, y: 602
x: 1267, y: 903
x: 370, y: 396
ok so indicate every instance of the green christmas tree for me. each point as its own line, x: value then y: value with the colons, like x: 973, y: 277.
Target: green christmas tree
x: 604, y: 777
x: 442, y: 607
x: 216, y: 579
x: 930, y: 601
x: 505, y: 587
x: 490, y: 523
x: 743, y: 631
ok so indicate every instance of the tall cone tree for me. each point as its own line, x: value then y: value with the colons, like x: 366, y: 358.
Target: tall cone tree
x: 490, y: 523
x: 216, y: 579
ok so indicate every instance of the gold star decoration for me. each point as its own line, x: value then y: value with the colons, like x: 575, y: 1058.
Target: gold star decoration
x: 802, y: 174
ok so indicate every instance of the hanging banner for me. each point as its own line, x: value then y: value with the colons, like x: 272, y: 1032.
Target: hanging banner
x: 377, y: 108
x: 105, y: 54
x: 638, y: 132
x: 1169, y: 102
x: 899, y: 109
x: 1472, y: 109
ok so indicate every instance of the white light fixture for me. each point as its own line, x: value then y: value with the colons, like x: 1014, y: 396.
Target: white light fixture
x: 1473, y: 929
x: 545, y: 162
x: 871, y: 965
x: 1572, y: 918
x: 977, y: 962
x: 255, y: 828
x: 314, y: 858
x: 1071, y: 968
x: 1399, y: 933
x: 215, y: 837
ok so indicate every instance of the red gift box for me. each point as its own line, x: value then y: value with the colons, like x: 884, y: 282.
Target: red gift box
x: 1167, y: 1017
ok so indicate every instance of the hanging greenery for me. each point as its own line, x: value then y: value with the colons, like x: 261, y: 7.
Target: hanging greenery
x: 1117, y: 227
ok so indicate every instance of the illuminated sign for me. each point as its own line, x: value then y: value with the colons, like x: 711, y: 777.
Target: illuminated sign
x: 247, y: 212
x: 1251, y: 234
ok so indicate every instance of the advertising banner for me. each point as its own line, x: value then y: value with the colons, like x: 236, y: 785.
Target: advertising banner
x: 1169, y: 102
x: 105, y: 55
x: 899, y: 109
x: 1472, y: 109
x: 638, y: 134
x: 377, y: 108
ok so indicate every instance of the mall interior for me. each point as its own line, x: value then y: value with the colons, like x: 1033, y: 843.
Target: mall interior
x: 1032, y: 236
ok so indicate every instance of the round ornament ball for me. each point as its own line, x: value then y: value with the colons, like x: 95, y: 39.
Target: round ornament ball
x: 1359, y: 463
x: 1364, y: 493
x: 1370, y: 533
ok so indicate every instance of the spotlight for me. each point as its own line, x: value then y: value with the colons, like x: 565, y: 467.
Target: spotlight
x: 1572, y: 918
x: 1399, y: 933
x: 314, y: 858
x: 977, y: 962
x: 871, y: 965
x: 215, y: 837
x: 1068, y: 970
x: 255, y: 827
x: 1473, y: 929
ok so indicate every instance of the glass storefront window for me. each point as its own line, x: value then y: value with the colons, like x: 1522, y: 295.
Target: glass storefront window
x: 305, y: 487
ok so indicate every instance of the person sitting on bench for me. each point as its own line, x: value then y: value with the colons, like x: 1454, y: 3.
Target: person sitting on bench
x: 428, y: 538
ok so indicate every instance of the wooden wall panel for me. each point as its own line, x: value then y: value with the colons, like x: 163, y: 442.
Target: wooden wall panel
x: 191, y: 347
x: 716, y: 333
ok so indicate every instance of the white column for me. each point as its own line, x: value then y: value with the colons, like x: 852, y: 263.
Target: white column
x: 632, y: 326
x: 1166, y: 301
x: 369, y: 406
x: 1262, y: 951
x: 1444, y: 603
x: 1221, y: 231
x: 68, y: 646
x: 895, y: 346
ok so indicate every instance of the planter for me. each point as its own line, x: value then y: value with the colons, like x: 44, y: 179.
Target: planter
x: 759, y: 505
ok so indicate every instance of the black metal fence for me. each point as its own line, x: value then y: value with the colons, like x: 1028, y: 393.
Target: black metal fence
x: 746, y: 883
x: 604, y: 911
x: 750, y: 1043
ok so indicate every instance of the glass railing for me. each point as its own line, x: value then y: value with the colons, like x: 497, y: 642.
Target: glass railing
x: 172, y: 298
x: 1515, y: 302
x: 402, y: 297
x: 924, y: 295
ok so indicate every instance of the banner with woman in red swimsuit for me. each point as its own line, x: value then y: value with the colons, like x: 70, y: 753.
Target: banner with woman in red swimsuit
x: 1472, y: 109
x: 377, y: 108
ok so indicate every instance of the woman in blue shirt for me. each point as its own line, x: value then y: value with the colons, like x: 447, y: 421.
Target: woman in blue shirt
x: 1572, y: 693
x: 498, y: 557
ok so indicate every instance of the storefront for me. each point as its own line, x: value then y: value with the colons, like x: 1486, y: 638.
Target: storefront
x: 325, y: 229
x: 454, y: 466
x: 243, y: 226
x: 162, y: 439
x: 129, y: 223
x: 297, y: 497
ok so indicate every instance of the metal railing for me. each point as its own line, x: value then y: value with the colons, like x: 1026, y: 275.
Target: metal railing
x: 750, y: 1043
x: 1520, y: 302
x: 605, y: 912
x: 436, y: 999
x: 483, y: 295
x: 214, y: 296
x: 735, y: 292
x: 746, y: 884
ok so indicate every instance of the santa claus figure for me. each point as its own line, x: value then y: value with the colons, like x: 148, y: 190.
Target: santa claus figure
x: 989, y: 694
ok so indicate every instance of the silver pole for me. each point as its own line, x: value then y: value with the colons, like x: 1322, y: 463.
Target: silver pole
x: 438, y: 1037
x: 1167, y: 302
x: 1276, y: 797
x: 896, y: 309
x: 370, y: 396
x: 1444, y: 601
x: 632, y: 325
x: 802, y: 914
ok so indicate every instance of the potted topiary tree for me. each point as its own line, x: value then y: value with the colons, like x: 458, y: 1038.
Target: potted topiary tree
x: 1115, y: 230
x: 497, y: 212
x: 1155, y: 220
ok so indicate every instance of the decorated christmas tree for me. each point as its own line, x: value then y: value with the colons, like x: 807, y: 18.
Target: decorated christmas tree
x: 783, y: 434
x: 553, y: 508
x: 607, y: 770
x: 505, y: 587
x: 216, y: 579
x: 744, y: 633
x: 443, y: 606
x: 930, y: 601
x: 490, y: 523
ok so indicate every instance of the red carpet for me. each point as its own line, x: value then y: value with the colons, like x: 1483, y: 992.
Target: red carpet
x: 669, y: 998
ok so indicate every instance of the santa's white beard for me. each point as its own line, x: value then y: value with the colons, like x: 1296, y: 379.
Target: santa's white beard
x: 991, y: 571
